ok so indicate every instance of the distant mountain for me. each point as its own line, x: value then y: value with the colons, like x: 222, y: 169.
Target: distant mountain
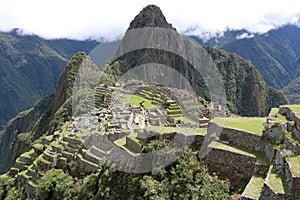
x: 30, y: 67
x: 276, y: 54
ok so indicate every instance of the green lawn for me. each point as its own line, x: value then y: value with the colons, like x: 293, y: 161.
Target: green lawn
x: 254, y: 187
x: 295, y: 108
x: 280, y: 118
x: 136, y: 100
x: 28, y: 154
x: 276, y: 181
x: 294, y: 163
x: 249, y: 124
x: 182, y: 118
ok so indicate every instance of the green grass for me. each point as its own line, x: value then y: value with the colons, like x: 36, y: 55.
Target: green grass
x: 276, y: 181
x: 291, y: 136
x: 254, y: 187
x: 136, y: 100
x: 295, y: 108
x: 249, y: 124
x: 260, y: 157
x: 120, y: 142
x: 185, y: 131
x: 294, y: 163
x: 182, y: 118
x: 280, y: 118
x: 38, y: 146
x: 149, y: 93
x: 29, y: 154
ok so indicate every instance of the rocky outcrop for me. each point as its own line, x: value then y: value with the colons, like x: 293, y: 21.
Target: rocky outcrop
x: 150, y: 16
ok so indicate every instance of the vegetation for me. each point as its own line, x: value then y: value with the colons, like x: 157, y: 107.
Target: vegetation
x: 260, y: 157
x: 136, y: 100
x: 276, y: 181
x: 294, y: 165
x: 295, y: 108
x: 30, y: 67
x: 253, y: 125
x: 56, y: 184
x: 254, y: 187
x: 187, y: 178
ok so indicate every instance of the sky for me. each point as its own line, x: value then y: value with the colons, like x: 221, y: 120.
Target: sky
x: 95, y: 19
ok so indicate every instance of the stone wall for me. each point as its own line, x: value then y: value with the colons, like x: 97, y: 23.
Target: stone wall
x: 293, y: 183
x: 238, y: 137
x: 291, y: 145
x: 131, y: 143
x: 268, y: 194
x: 270, y: 152
x: 237, y: 168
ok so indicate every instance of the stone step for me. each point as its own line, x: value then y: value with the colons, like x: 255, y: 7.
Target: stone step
x: 275, y: 186
x: 260, y: 158
x: 20, y: 165
x: 292, y: 172
x: 85, y: 166
x: 49, y: 157
x: 100, y: 141
x: 73, y: 140
x: 48, y: 139
x: 98, y: 152
x: 44, y: 164
x: 13, y: 171
x: 67, y: 155
x: 57, y: 147
x: 90, y: 156
x: 254, y: 188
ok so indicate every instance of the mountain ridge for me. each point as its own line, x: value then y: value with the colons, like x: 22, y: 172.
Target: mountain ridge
x: 275, y: 53
x: 30, y: 68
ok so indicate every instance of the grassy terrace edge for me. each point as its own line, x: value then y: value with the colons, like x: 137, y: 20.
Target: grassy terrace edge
x: 252, y: 125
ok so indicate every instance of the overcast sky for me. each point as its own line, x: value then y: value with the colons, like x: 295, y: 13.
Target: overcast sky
x: 96, y: 18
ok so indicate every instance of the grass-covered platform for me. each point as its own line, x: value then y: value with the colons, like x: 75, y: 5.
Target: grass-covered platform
x: 276, y: 182
x: 294, y: 164
x: 260, y: 157
x: 248, y: 124
x: 254, y: 188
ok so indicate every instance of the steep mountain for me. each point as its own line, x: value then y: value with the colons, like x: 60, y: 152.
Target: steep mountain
x: 47, y: 115
x: 275, y: 53
x: 247, y: 93
x: 30, y: 67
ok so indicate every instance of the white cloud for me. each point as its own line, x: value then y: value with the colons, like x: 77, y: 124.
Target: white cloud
x: 98, y: 18
x: 244, y: 36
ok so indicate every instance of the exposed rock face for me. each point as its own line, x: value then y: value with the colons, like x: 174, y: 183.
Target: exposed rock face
x: 247, y: 93
x: 150, y: 16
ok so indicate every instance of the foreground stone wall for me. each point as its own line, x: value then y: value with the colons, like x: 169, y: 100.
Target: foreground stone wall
x: 238, y: 137
x: 268, y: 194
x: 293, y: 183
x: 237, y: 167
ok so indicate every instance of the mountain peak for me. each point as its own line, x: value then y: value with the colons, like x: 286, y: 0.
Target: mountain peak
x: 150, y: 16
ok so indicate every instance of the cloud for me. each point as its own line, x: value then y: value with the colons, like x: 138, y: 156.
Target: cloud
x: 244, y: 36
x: 98, y: 19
